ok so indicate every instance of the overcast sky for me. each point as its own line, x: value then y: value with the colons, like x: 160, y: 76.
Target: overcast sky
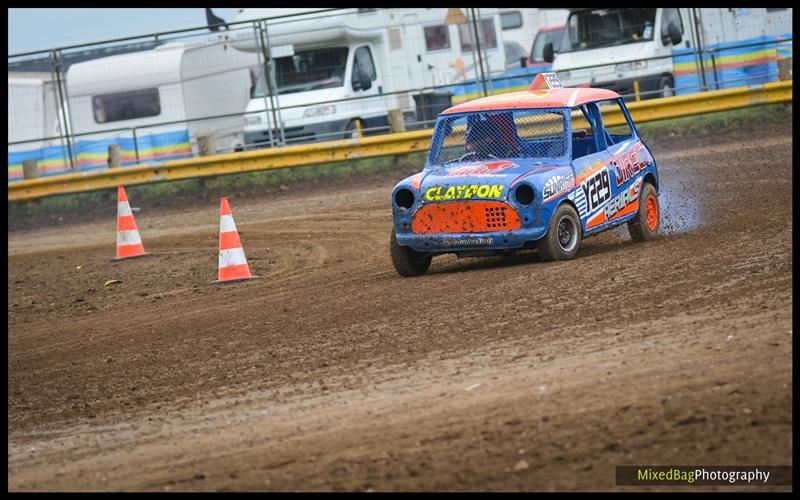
x: 37, y: 29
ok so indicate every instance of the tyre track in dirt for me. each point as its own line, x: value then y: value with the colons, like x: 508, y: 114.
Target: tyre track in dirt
x: 331, y: 340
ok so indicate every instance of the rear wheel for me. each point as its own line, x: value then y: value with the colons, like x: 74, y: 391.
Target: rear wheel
x: 645, y: 225
x: 563, y: 238
x: 407, y: 261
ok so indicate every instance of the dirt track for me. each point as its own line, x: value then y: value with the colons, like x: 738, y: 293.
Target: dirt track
x: 331, y: 372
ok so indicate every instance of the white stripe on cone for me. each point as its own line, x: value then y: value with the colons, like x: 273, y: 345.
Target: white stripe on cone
x: 232, y: 257
x: 128, y: 238
x: 123, y: 208
x: 226, y: 224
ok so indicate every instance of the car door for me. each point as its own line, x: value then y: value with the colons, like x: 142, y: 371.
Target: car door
x: 628, y: 157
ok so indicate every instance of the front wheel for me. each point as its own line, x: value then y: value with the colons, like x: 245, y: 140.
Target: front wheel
x: 644, y: 226
x: 666, y: 87
x: 563, y: 238
x: 407, y: 261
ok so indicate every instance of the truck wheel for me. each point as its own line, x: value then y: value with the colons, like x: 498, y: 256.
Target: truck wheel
x: 350, y: 131
x: 644, y: 226
x: 563, y: 238
x: 408, y: 262
x: 666, y: 87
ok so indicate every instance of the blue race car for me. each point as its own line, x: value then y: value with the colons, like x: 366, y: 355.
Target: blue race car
x: 541, y: 168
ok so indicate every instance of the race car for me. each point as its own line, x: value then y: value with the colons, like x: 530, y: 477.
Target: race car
x: 541, y: 168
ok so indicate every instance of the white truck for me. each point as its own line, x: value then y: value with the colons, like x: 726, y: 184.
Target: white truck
x: 332, y: 69
x: 611, y: 38
x: 174, y: 83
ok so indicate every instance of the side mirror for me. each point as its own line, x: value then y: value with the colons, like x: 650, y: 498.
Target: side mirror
x: 548, y: 53
x: 363, y: 82
x: 523, y: 62
x: 675, y: 35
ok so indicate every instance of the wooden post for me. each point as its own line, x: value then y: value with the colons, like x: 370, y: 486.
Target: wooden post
x: 113, y: 155
x: 396, y: 121
x: 785, y: 68
x: 29, y: 169
x: 206, y: 145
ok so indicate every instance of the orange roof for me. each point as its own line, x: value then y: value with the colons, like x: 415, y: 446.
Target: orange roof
x: 526, y: 99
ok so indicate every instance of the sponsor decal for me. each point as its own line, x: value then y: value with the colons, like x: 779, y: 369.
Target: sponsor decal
x: 590, y: 170
x: 466, y: 192
x: 597, y: 190
x: 479, y: 169
x: 630, y: 162
x: 557, y: 185
x: 465, y: 242
x: 622, y: 203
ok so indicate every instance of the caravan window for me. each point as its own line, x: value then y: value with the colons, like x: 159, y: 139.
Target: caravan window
x: 511, y: 20
x: 593, y: 28
x: 126, y: 105
x: 437, y: 37
x: 486, y: 35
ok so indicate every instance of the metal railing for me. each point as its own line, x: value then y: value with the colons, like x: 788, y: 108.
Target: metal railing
x: 365, y: 147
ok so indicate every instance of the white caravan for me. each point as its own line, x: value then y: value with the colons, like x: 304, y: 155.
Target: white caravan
x: 613, y: 36
x: 32, y: 109
x: 331, y: 69
x: 175, y: 82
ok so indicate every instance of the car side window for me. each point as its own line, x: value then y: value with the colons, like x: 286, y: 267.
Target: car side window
x: 616, y: 125
x: 670, y: 16
x: 363, y: 61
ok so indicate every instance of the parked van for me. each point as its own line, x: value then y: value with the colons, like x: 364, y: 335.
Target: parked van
x: 331, y: 70
x: 137, y: 92
x: 613, y: 38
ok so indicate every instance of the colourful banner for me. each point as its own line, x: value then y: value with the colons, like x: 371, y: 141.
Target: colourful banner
x: 93, y: 154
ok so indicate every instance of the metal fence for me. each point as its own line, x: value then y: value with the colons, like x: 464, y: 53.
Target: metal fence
x: 323, y: 75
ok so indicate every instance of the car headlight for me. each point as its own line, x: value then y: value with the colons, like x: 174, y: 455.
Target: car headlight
x: 320, y: 111
x: 619, y: 68
x: 252, y: 119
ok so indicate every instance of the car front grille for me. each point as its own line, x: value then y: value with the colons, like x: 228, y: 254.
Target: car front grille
x: 453, y: 217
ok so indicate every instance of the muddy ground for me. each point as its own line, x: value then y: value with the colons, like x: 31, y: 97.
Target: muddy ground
x: 331, y: 372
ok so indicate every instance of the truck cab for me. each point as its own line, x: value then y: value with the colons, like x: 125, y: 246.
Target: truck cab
x: 617, y: 37
x: 306, y: 80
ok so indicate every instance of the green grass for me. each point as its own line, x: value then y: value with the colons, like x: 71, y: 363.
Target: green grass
x: 742, y: 120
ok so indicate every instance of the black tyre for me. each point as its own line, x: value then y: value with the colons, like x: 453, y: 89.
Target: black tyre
x: 563, y: 238
x: 666, y: 87
x: 408, y: 262
x: 645, y: 226
x: 350, y: 131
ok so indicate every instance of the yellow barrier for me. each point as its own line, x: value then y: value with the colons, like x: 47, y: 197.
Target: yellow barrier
x: 366, y: 147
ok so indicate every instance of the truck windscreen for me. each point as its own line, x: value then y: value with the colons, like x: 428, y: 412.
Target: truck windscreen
x: 595, y: 28
x: 306, y: 70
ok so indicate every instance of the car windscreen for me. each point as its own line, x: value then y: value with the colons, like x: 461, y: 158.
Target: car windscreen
x: 595, y: 28
x: 488, y: 135
x: 306, y: 70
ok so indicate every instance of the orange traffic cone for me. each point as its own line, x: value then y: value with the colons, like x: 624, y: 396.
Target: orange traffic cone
x: 232, y: 262
x: 129, y: 244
